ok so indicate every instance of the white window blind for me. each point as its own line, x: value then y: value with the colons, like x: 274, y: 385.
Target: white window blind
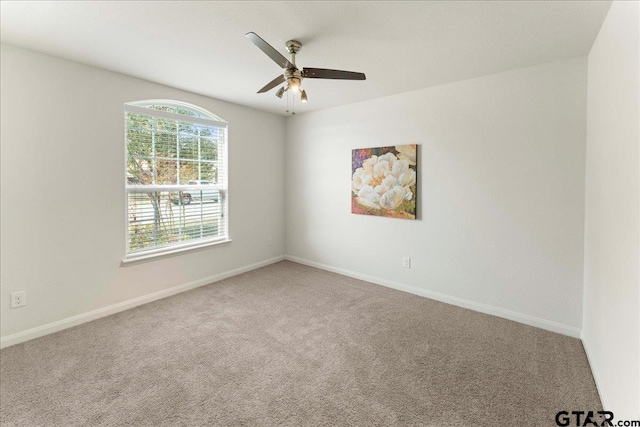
x: 176, y: 177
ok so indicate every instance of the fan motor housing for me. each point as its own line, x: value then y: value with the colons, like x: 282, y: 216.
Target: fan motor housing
x: 293, y: 77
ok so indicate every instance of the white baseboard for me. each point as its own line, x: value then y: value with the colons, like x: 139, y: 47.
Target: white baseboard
x: 594, y: 370
x: 460, y: 302
x: 59, y: 325
x: 69, y: 322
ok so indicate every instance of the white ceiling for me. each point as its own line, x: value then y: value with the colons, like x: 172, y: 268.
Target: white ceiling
x: 200, y: 46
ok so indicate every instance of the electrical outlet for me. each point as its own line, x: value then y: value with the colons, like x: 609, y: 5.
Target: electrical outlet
x: 406, y: 262
x: 18, y: 299
x: 269, y: 241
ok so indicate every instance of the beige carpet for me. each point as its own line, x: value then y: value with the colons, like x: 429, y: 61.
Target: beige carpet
x: 289, y: 345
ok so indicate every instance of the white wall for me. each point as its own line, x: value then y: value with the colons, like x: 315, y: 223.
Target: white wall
x: 62, y: 199
x: 500, y: 198
x: 611, y: 326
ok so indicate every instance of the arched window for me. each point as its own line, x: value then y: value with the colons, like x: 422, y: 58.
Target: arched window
x: 176, y: 178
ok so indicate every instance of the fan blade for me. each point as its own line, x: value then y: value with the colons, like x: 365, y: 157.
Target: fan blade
x: 323, y: 73
x: 269, y: 51
x: 273, y: 83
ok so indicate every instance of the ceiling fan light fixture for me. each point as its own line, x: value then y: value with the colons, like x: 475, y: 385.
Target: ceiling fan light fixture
x: 294, y: 84
x: 293, y: 76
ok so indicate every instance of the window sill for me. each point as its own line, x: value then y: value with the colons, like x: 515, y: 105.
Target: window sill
x: 146, y: 257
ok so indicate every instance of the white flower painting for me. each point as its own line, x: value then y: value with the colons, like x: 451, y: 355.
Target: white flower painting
x: 384, y: 181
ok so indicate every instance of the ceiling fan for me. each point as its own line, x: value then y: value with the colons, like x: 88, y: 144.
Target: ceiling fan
x: 292, y: 75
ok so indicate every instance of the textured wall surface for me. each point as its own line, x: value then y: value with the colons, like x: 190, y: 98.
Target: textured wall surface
x: 500, y: 198
x: 63, y: 202
x: 611, y: 330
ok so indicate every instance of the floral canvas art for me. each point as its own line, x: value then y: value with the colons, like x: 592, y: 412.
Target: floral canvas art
x: 384, y: 180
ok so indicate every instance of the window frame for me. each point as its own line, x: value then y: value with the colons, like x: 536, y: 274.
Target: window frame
x: 205, y: 118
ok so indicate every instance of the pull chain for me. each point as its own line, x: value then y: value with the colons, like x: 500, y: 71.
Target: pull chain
x: 293, y: 103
